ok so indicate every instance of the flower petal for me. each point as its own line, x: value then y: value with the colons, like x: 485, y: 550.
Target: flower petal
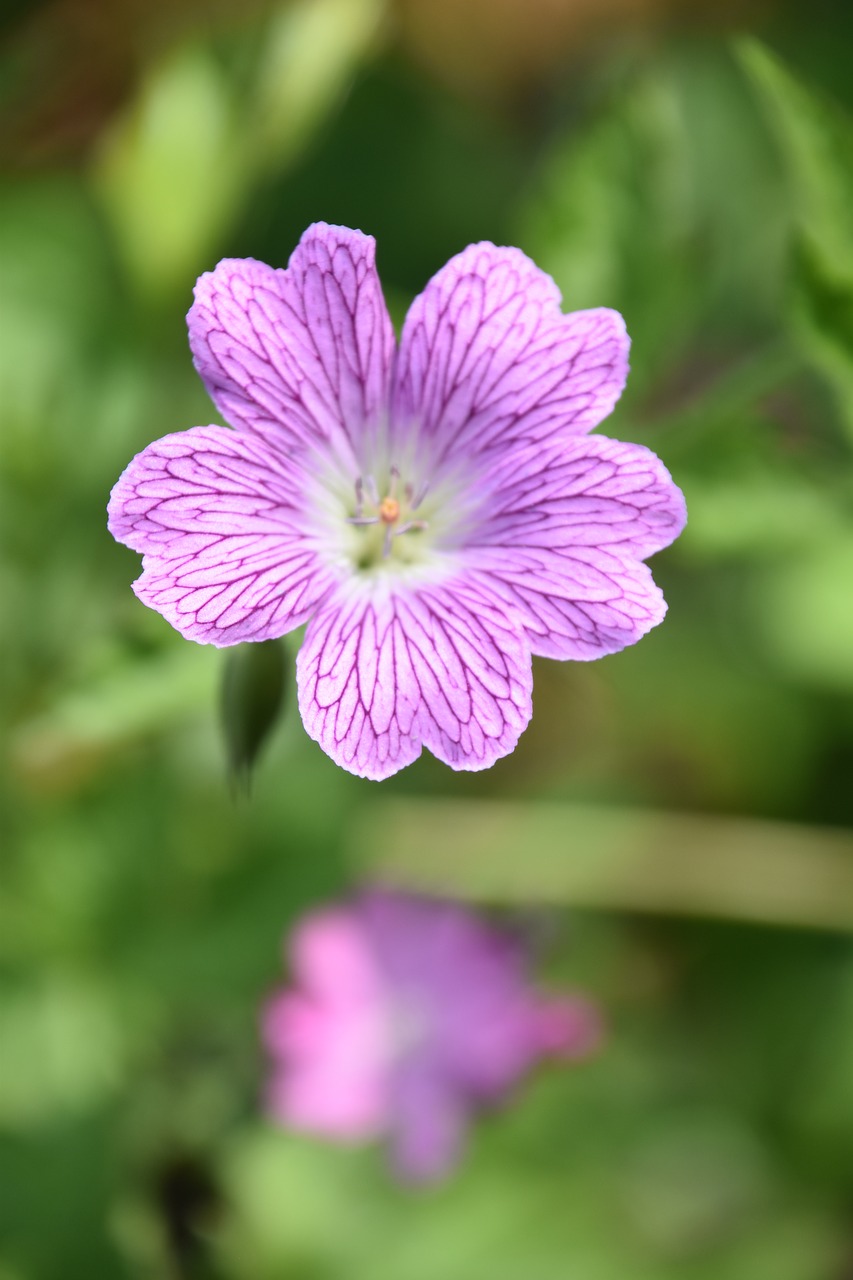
x: 487, y: 358
x: 466, y: 982
x: 592, y: 492
x: 580, y: 605
x: 562, y: 544
x: 304, y: 353
x: 428, y: 1122
x: 329, y: 1039
x: 384, y: 670
x: 228, y: 555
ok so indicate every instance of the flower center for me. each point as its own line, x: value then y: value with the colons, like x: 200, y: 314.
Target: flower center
x: 389, y: 510
x: 382, y: 522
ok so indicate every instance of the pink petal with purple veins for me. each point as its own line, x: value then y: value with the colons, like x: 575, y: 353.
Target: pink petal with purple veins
x: 562, y: 542
x: 581, y: 604
x: 303, y: 353
x: 593, y: 492
x: 229, y: 555
x: 487, y: 358
x: 388, y: 668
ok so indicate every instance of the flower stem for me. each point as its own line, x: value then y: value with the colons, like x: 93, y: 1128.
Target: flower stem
x: 620, y: 859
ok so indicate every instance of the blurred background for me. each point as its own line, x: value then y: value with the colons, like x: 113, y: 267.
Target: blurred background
x: 679, y: 811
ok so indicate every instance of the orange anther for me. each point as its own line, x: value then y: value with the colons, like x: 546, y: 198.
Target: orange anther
x: 389, y: 510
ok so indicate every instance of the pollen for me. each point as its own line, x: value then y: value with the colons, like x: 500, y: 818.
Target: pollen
x: 389, y: 510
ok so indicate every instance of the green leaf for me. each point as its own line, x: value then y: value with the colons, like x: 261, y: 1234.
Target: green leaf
x: 253, y: 685
x: 176, y: 170
x: 822, y: 302
x: 611, y: 216
x: 171, y: 172
x: 816, y: 140
x: 130, y: 700
x: 310, y: 54
x: 804, y: 613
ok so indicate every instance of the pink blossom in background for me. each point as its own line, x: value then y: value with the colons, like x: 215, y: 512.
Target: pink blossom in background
x: 405, y: 1014
x: 435, y: 512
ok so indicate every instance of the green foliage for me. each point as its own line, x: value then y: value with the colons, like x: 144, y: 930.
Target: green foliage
x: 612, y: 218
x: 817, y: 141
x: 142, y: 908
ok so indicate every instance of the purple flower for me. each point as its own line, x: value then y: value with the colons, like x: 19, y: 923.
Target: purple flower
x: 407, y: 1013
x: 436, y: 513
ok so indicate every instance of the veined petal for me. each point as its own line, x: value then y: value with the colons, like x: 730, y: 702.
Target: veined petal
x: 487, y: 358
x: 386, y: 669
x: 567, y: 528
x: 579, y: 604
x: 228, y: 555
x: 591, y: 492
x: 304, y: 353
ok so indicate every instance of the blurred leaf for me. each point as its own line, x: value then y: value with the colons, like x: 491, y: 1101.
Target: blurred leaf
x: 817, y: 141
x: 171, y: 172
x: 62, y: 1049
x: 58, y: 1187
x: 804, y: 613
x: 176, y: 170
x: 757, y: 511
x: 823, y: 312
x: 54, y: 295
x: 700, y: 719
x: 612, y: 216
x: 117, y: 706
x: 694, y: 1178
x: 311, y: 49
x: 515, y: 1219
x: 253, y: 685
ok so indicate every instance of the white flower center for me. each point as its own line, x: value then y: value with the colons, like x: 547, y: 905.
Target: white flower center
x: 383, y: 517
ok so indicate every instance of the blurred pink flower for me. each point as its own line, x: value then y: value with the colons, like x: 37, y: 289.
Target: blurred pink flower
x: 406, y: 1014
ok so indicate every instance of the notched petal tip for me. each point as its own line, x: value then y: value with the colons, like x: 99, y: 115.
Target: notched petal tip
x: 334, y: 233
x: 301, y: 354
x: 382, y: 674
x: 489, y: 361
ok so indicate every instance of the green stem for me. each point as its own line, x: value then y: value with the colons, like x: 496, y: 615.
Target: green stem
x: 614, y: 859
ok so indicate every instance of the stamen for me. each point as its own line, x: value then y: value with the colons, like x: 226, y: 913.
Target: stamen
x: 390, y: 511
